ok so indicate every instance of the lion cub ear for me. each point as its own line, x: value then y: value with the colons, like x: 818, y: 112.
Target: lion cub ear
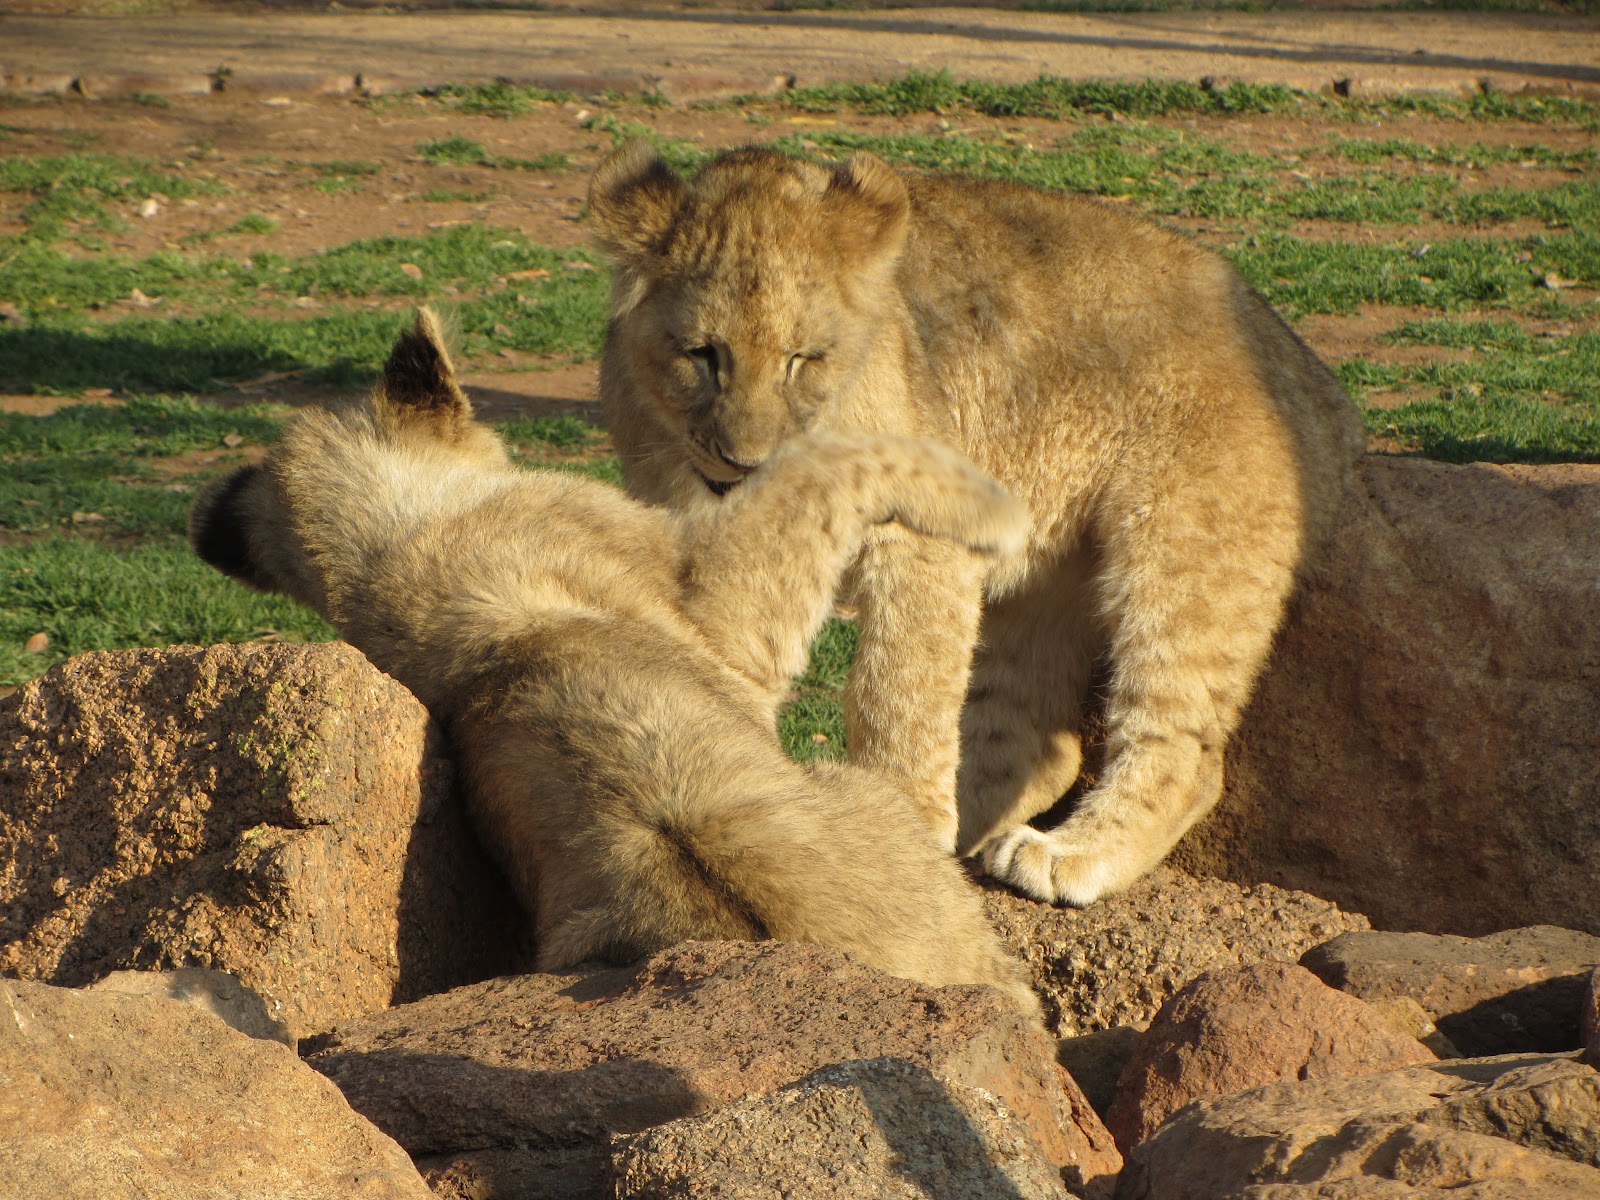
x: 633, y: 197
x: 872, y: 205
x: 419, y: 375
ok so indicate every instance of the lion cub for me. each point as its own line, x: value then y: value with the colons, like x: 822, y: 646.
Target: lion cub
x: 610, y: 673
x: 1181, y: 450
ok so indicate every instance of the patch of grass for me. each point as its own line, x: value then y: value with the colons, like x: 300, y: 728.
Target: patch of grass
x: 1047, y: 96
x: 347, y: 166
x: 91, y: 596
x: 1518, y: 399
x: 818, y: 706
x: 253, y: 222
x: 446, y: 196
x: 150, y: 100
x: 460, y: 150
x: 560, y: 432
x: 454, y: 149
x: 1475, y: 154
x: 143, y: 426
x: 497, y: 99
x: 72, y: 187
x: 1337, y: 276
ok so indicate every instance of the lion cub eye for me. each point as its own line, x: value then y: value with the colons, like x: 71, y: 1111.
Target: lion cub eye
x: 706, y: 355
x: 796, y: 361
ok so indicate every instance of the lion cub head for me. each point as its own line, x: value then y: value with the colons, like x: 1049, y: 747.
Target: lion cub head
x: 747, y: 296
x: 245, y: 523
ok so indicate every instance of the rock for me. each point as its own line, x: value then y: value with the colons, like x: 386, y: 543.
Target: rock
x: 1229, y: 1031
x: 1591, y: 1021
x: 1523, y: 1127
x: 1506, y: 992
x: 1421, y: 747
x: 1116, y: 962
x: 215, y: 992
x: 279, y: 812
x: 882, y: 1128
x: 109, y: 1094
x: 1095, y: 1062
x: 500, y: 1079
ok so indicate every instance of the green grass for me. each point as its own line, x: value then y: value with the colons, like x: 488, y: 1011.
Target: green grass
x: 498, y: 99
x: 240, y: 323
x: 69, y: 188
x: 460, y: 150
x: 119, y: 576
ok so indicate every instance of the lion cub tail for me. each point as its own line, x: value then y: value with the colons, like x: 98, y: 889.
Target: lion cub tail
x: 750, y: 848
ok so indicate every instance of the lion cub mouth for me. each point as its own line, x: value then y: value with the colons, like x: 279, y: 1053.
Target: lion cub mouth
x: 719, y: 487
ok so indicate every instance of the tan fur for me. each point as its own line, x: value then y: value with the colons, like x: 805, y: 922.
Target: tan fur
x: 610, y: 673
x: 1180, y: 449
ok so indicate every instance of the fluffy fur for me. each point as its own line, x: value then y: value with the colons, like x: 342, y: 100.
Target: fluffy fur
x: 1181, y: 450
x: 610, y: 673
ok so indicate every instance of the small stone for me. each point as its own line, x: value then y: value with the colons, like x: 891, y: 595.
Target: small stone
x: 232, y: 440
x: 37, y: 644
x: 411, y: 270
x: 149, y: 208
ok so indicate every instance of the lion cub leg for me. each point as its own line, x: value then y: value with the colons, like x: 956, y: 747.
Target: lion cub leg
x: 761, y: 570
x: 1189, y: 631
x: 1021, y: 743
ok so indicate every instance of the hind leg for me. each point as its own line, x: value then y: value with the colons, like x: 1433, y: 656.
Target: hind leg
x: 1193, y: 602
x: 1021, y: 744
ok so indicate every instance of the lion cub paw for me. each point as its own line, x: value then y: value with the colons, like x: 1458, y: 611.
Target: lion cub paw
x: 1048, y: 867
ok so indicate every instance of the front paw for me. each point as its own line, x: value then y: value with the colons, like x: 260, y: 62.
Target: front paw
x: 1046, y: 866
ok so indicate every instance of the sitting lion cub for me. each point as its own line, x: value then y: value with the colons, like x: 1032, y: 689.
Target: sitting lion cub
x: 610, y: 673
x: 1181, y: 450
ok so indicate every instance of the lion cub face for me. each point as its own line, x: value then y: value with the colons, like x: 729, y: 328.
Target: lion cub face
x: 752, y: 294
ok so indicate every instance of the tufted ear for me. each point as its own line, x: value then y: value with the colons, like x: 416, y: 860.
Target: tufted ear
x: 419, y: 375
x: 871, y: 206
x: 633, y: 197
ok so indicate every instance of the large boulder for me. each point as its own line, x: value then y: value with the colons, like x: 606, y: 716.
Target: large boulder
x: 1230, y: 1031
x: 882, y: 1128
x: 283, y: 813
x: 1116, y: 962
x: 518, y: 1083
x: 107, y: 1094
x: 1498, y: 994
x: 1513, y: 1128
x: 1422, y: 746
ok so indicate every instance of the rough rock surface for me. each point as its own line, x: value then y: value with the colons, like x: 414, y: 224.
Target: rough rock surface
x: 279, y: 812
x: 1422, y: 746
x: 523, y: 1077
x: 1096, y: 1060
x: 882, y: 1128
x: 1512, y: 1128
x: 1591, y: 1021
x: 1229, y: 1031
x: 112, y: 1095
x: 1117, y: 961
x: 1506, y: 992
x: 215, y: 992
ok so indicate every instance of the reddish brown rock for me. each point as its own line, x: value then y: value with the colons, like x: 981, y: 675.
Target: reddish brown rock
x: 112, y: 1095
x: 214, y: 992
x: 283, y: 813
x: 1422, y: 745
x: 1506, y: 992
x: 1233, y: 1030
x: 1115, y: 962
x: 1513, y: 1128
x: 501, y: 1080
x: 880, y: 1128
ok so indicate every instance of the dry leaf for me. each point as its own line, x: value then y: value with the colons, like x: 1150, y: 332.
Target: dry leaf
x: 87, y: 518
x: 37, y: 644
x: 411, y: 270
x: 231, y: 440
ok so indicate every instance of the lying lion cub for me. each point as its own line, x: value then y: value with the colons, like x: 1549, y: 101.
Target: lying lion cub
x: 610, y: 673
